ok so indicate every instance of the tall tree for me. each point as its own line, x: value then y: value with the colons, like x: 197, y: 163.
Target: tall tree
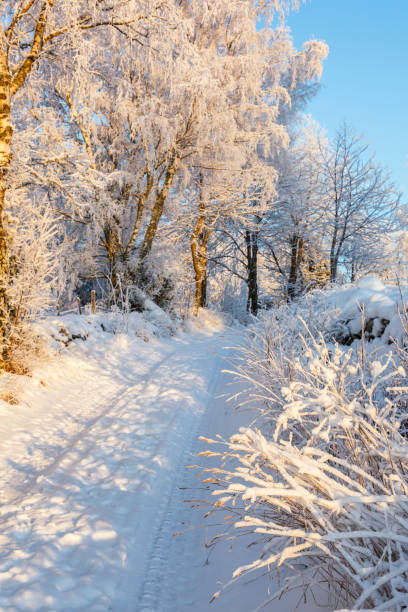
x: 294, y: 222
x: 358, y: 199
x: 34, y: 37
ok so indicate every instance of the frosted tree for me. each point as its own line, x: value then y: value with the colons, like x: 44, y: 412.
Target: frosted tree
x: 224, y: 201
x: 284, y: 226
x: 334, y: 205
x: 39, y: 38
x: 293, y: 229
x: 190, y: 99
x: 358, y: 199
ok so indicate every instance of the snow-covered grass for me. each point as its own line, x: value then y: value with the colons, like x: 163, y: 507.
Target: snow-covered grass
x: 70, y: 327
x: 323, y: 481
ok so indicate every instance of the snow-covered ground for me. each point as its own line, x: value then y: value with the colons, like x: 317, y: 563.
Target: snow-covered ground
x: 371, y: 302
x: 93, y: 476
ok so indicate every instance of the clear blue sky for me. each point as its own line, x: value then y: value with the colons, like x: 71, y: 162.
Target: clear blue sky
x: 365, y: 78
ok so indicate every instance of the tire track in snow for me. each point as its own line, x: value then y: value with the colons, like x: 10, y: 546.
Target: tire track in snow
x: 152, y: 596
x: 50, y: 531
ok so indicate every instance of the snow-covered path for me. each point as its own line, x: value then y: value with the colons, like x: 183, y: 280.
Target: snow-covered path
x: 91, y: 464
x: 94, y: 482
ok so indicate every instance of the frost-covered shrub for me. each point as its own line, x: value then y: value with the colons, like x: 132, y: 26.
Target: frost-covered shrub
x: 35, y: 277
x: 323, y: 481
x: 273, y: 346
x: 162, y: 277
x: 157, y: 285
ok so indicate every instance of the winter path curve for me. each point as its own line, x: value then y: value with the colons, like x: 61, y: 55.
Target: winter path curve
x: 94, y: 483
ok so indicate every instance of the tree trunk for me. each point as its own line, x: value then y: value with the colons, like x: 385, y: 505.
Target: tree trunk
x: 251, y: 239
x: 111, y: 243
x: 333, y: 268
x: 6, y: 132
x: 353, y: 271
x: 296, y: 256
x: 139, y: 213
x: 334, y: 250
x: 335, y: 254
x: 161, y: 196
x: 293, y: 268
x: 199, y: 242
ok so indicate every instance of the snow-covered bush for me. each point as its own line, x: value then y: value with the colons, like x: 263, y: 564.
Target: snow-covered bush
x: 323, y: 481
x: 164, y: 276
x: 34, y: 279
x: 60, y: 331
x: 274, y: 344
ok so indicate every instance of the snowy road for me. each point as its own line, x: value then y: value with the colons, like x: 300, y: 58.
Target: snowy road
x: 90, y: 476
x: 94, y: 480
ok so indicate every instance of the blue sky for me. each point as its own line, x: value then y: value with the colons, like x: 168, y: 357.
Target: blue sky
x: 365, y: 78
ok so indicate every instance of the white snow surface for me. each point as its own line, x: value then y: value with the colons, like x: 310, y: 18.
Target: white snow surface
x: 94, y: 481
x: 378, y: 300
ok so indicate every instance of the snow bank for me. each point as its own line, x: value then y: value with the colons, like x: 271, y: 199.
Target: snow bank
x: 371, y: 304
x: 61, y: 330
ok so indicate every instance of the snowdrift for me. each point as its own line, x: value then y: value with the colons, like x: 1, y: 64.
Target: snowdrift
x: 61, y: 330
x: 370, y: 306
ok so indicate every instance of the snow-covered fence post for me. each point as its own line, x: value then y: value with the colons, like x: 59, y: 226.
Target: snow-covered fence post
x: 79, y: 305
x: 93, y: 301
